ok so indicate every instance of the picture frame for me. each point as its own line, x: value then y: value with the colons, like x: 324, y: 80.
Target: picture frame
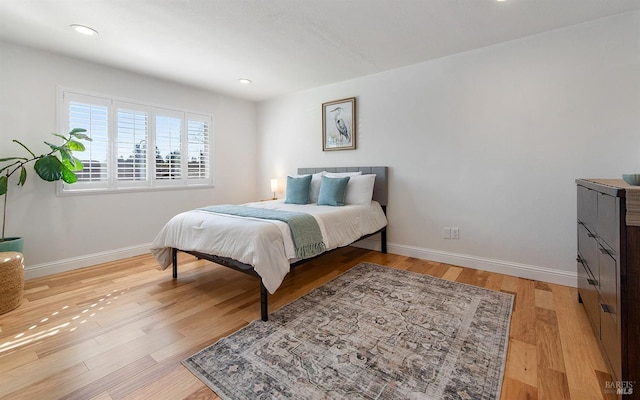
x: 339, y: 124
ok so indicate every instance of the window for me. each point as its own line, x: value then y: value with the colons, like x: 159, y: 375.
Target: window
x: 197, y: 148
x: 132, y: 142
x: 136, y: 146
x: 168, y: 145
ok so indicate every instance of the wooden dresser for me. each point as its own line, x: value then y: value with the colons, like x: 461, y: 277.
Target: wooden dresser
x: 609, y: 275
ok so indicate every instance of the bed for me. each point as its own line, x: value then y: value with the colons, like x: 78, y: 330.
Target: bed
x: 264, y: 247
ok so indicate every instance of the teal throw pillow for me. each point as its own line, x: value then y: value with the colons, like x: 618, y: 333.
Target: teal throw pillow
x: 298, y: 190
x: 332, y: 191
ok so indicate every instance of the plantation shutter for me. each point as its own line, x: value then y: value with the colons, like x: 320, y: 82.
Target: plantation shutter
x: 95, y: 119
x: 168, y: 140
x: 198, y: 147
x: 132, y: 144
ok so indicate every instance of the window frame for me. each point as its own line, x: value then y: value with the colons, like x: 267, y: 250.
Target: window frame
x: 113, y: 184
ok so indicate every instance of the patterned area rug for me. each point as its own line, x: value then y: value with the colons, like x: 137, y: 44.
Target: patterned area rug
x: 372, y: 333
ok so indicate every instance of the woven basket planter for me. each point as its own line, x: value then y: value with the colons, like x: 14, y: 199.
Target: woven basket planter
x: 11, y: 280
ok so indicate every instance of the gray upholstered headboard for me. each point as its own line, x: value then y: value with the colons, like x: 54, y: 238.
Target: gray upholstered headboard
x: 380, y: 189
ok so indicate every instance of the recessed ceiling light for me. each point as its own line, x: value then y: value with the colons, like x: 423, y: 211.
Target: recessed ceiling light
x: 85, y: 30
x: 244, y: 81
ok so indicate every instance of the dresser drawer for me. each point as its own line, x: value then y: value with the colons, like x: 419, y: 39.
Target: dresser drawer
x: 608, y: 280
x: 588, y: 251
x: 587, y: 207
x: 611, y: 341
x: 608, y: 227
x: 590, y: 298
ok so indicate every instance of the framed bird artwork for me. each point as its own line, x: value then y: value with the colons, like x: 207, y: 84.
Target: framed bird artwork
x: 339, y: 124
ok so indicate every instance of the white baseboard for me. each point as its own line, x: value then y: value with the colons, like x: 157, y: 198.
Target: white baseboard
x: 502, y: 267
x: 38, y: 270
x: 464, y: 260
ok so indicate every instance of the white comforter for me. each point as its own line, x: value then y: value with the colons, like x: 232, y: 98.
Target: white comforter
x: 265, y: 244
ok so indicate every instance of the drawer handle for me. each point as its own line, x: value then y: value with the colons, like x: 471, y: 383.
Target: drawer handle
x: 604, y: 251
x: 592, y: 282
x: 605, y: 308
x: 591, y: 235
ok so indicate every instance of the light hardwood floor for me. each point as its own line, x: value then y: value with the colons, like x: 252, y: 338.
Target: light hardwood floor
x: 119, y: 330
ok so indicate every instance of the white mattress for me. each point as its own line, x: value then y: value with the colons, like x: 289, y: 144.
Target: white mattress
x: 264, y: 244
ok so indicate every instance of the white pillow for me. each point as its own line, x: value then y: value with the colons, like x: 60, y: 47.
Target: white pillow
x: 341, y: 174
x: 314, y: 189
x: 316, y: 180
x: 360, y: 189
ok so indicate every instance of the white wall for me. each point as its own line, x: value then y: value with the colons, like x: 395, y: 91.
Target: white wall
x: 75, y: 231
x: 489, y: 141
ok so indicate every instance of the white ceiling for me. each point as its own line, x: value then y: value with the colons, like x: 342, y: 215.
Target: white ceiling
x: 284, y: 46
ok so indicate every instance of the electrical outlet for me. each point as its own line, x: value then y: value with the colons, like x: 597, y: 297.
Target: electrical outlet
x: 446, y: 233
x: 455, y: 233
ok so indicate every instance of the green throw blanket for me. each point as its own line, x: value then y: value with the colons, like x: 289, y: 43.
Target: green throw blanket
x: 305, y: 231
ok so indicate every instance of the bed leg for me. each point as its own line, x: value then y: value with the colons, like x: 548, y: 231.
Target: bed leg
x: 383, y: 241
x: 174, y: 260
x: 264, y: 308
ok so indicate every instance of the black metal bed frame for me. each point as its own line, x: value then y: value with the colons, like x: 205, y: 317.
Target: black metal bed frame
x: 380, y: 195
x: 248, y: 269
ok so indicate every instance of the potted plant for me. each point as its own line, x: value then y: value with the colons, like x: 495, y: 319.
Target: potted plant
x: 58, y: 164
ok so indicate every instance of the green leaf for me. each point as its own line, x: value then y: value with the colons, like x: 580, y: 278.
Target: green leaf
x: 67, y: 162
x: 67, y: 175
x: 65, y: 153
x: 24, y: 147
x: 73, y: 164
x: 49, y: 168
x: 53, y: 146
x: 78, y: 135
x: 3, y: 184
x: 13, y: 158
x: 78, y: 163
x: 23, y: 176
x: 74, y: 131
x: 75, y: 146
x: 82, y: 136
x: 60, y: 136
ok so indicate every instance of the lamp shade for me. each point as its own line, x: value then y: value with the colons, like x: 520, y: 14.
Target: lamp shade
x: 274, y: 185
